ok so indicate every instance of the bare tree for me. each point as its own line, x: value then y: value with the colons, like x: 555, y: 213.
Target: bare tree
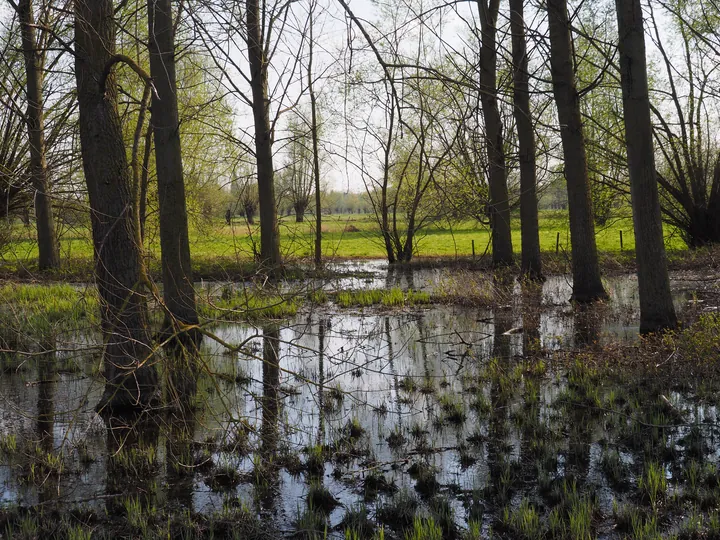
x: 686, y: 118
x: 298, y: 172
x: 497, y: 178
x: 587, y: 285
x: 315, y: 134
x: 128, y: 355
x: 258, y: 60
x: 656, y: 307
x: 48, y: 247
x: 531, y: 265
x: 178, y: 288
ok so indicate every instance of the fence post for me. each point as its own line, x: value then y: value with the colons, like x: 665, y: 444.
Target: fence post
x: 557, y: 244
x: 473, y: 249
x: 621, y: 241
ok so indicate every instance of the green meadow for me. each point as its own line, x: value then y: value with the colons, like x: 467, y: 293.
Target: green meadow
x: 344, y: 237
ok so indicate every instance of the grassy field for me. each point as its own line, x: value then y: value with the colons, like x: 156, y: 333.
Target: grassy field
x: 344, y: 237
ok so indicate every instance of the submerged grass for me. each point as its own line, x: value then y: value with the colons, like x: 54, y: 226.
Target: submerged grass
x: 394, y: 297
x: 245, y: 304
x: 43, y: 310
x: 631, y: 402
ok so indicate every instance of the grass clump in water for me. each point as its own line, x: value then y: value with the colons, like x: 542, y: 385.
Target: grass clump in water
x: 357, y: 524
x: 45, y: 309
x: 248, y: 305
x: 399, y: 512
x: 652, y: 484
x: 425, y: 529
x: 320, y: 498
x: 524, y: 521
x: 394, y: 297
x: 453, y: 409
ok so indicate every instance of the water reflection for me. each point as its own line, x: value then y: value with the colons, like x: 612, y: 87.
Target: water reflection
x: 183, y: 369
x: 296, y: 385
x: 531, y: 309
x: 132, y: 464
x: 46, y: 416
x: 587, y: 324
x: 269, y: 435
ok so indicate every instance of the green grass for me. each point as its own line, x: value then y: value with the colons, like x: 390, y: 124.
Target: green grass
x: 40, y: 309
x: 247, y: 305
x: 394, y: 297
x: 344, y: 236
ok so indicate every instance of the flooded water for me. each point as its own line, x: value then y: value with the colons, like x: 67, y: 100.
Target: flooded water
x: 444, y: 405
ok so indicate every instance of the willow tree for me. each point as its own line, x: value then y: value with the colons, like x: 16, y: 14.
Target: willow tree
x: 131, y: 376
x: 587, y: 285
x: 656, y: 307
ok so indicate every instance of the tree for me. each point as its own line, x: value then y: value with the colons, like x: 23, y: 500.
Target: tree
x: 258, y: 60
x: 131, y: 376
x: 656, y: 307
x: 686, y: 114
x: 315, y: 135
x: 13, y: 162
x: 587, y: 285
x: 531, y: 265
x: 594, y: 52
x: 497, y: 178
x: 48, y: 247
x: 178, y: 288
x: 298, y: 171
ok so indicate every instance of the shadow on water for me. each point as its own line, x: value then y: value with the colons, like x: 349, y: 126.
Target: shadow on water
x: 453, y: 411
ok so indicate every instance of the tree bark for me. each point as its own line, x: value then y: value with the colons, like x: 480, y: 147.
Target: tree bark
x: 250, y: 213
x: 657, y: 312
x: 145, y: 181
x: 178, y: 289
x: 48, y: 248
x: 587, y: 285
x: 269, y: 236
x: 531, y: 265
x: 499, y: 204
x: 128, y: 355
x: 316, y: 152
x: 300, y: 207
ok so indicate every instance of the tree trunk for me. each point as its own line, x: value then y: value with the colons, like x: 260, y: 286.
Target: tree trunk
x: 145, y: 181
x: 587, y: 285
x: 128, y: 354
x: 250, y: 214
x: 178, y: 289
x: 48, y: 248
x: 500, y: 207
x: 657, y: 312
x: 316, y: 153
x: 269, y: 236
x: 531, y: 265
x: 299, y: 208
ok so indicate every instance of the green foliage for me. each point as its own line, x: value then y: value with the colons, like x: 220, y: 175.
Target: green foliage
x: 701, y: 341
x: 601, y: 106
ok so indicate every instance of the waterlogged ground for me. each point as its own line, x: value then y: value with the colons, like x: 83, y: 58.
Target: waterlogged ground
x: 442, y: 419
